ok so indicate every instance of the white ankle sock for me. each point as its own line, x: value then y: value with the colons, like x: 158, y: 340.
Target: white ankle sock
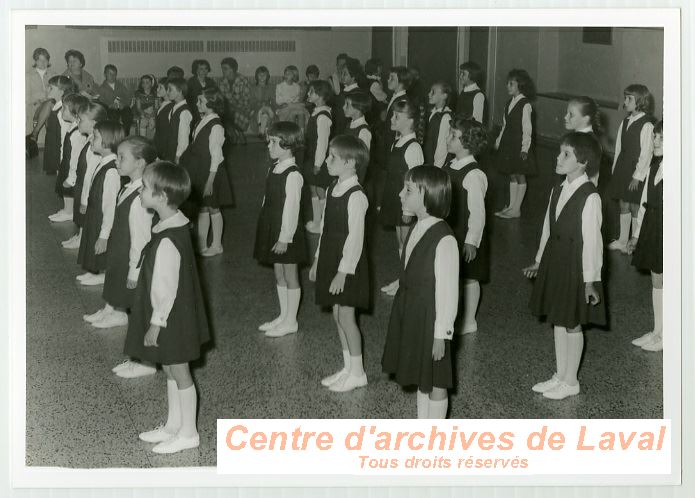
x: 437, y: 409
x: 282, y: 299
x: 217, y: 223
x: 625, y: 222
x: 471, y: 298
x: 520, y: 193
x: 658, y: 305
x: 203, y: 229
x: 423, y: 401
x: 346, y: 360
x: 189, y: 400
x: 174, y: 407
x: 356, y: 367
x: 108, y: 308
x: 293, y: 298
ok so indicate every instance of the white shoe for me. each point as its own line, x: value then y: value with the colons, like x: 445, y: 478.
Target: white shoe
x: 115, y: 319
x: 656, y: 344
x: 327, y: 381
x: 95, y: 316
x: 156, y: 435
x: 393, y: 292
x: 121, y: 366
x: 93, y: 279
x: 283, y: 329
x: 211, y: 251
x: 502, y: 211
x: 60, y: 217
x: 393, y: 286
x: 134, y: 369
x: 509, y: 214
x: 176, y: 444
x: 265, y: 327
x: 72, y: 243
x: 561, y: 391
x: 547, y: 385
x: 616, y: 245
x: 348, y: 383
x: 645, y: 339
x: 83, y: 276
x: 469, y: 328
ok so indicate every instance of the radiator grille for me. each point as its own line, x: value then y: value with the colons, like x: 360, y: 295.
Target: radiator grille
x: 154, y: 46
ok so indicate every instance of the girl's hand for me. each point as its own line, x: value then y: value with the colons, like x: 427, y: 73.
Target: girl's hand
x: 207, y: 191
x: 151, y: 336
x: 338, y: 284
x: 531, y: 271
x: 66, y: 184
x: 131, y: 284
x: 100, y: 246
x: 280, y: 247
x: 524, y: 156
x: 438, y: 349
x: 83, y: 209
x: 312, y: 271
x: 469, y: 252
x: 317, y: 169
x: 177, y: 159
x: 590, y: 294
x: 634, y: 185
x: 632, y: 243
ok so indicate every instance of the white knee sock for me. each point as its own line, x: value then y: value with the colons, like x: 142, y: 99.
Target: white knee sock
x: 68, y: 203
x: 316, y: 210
x: 282, y: 299
x: 203, y: 229
x: 512, y: 194
x: 560, y: 334
x: 658, y: 305
x: 423, y: 402
x: 322, y: 205
x: 575, y: 346
x: 625, y: 221
x: 346, y: 360
x: 293, y: 298
x: 437, y: 409
x: 189, y: 401
x: 217, y: 223
x: 174, y: 408
x: 471, y: 298
x: 356, y: 367
x: 520, y: 193
x: 633, y: 225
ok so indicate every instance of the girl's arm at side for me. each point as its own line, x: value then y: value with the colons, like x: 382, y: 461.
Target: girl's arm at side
x: 440, y: 151
x: 215, y: 146
x: 366, y: 137
x: 165, y: 282
x: 354, y: 242
x: 526, y: 128
x: 140, y: 228
x: 77, y: 142
x: 475, y: 184
x: 414, y: 156
x: 446, y: 275
x: 112, y: 184
x: 323, y: 125
x: 478, y: 107
x: 185, y: 119
x: 290, y: 210
x: 592, y: 247
x: 646, y: 151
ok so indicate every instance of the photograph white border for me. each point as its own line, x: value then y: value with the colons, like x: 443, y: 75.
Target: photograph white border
x: 23, y: 476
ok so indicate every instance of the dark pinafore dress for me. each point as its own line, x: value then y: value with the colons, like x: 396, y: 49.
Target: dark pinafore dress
x: 558, y: 291
x: 389, y: 135
x: 410, y: 336
x: 161, y: 130
x: 116, y: 292
x: 187, y: 325
x: 51, y: 150
x: 479, y: 268
x: 77, y: 217
x: 270, y: 224
x: 64, y: 167
x: 172, y: 137
x: 464, y: 104
x: 86, y: 257
x: 363, y: 172
x: 626, y: 163
x: 335, y: 232
x: 509, y: 159
x: 649, y: 252
x: 196, y: 159
x: 432, y: 136
x: 391, y: 213
x: 322, y: 179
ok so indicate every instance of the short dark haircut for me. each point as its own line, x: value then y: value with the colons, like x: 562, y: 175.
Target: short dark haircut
x: 436, y: 185
x: 289, y: 133
x: 342, y: 56
x: 231, y: 62
x: 588, y: 107
x: 141, y: 148
x: 404, y: 75
x: 170, y: 179
x: 152, y: 79
x: 75, y: 103
x: 175, y: 72
x: 323, y: 89
x: 262, y: 70
x: 110, y: 67
x: 360, y: 101
x: 587, y: 150
x: 178, y: 83
x: 313, y: 69
x: 446, y: 89
x: 112, y: 134
x: 38, y: 52
x: 215, y: 99
x: 644, y: 101
x: 659, y: 127
x: 473, y: 135
x: 96, y: 111
x: 349, y: 147
x: 294, y: 71
x: 372, y: 66
x: 475, y: 73
x: 524, y: 82
x: 199, y: 62
x: 67, y: 85
x: 75, y: 53
x: 354, y: 68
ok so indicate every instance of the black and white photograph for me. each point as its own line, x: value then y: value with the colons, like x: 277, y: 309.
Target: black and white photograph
x: 489, y: 198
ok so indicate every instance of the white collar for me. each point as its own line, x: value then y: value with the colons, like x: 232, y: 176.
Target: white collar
x: 178, y: 104
x: 471, y: 87
x: 41, y: 71
x: 635, y: 117
x: 373, y: 77
x: 350, y: 87
x: 281, y: 166
x: 107, y: 159
x: 178, y: 220
x: 206, y: 119
x: 318, y: 109
x: 134, y: 184
x: 112, y: 85
x: 518, y: 98
x: 458, y: 164
x: 58, y: 105
x: 342, y: 187
x: 357, y: 122
x: 427, y: 222
x: 588, y: 129
x: 405, y: 138
x: 396, y: 95
x: 575, y: 184
x: 443, y: 109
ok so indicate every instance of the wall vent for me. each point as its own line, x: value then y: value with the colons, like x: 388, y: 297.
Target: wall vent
x: 154, y: 46
x: 242, y: 46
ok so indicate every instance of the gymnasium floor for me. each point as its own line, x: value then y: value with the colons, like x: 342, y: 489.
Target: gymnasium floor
x: 81, y: 415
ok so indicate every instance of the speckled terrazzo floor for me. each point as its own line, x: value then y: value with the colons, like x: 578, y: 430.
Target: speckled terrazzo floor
x: 81, y: 415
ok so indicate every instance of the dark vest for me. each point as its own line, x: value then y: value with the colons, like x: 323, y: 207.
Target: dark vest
x: 513, y: 130
x: 655, y: 193
x: 196, y: 158
x: 464, y: 104
x: 161, y: 129
x: 173, y: 135
x: 566, y: 231
x: 355, y: 132
x: 432, y: 136
x: 312, y: 136
x: 51, y: 151
x: 459, y: 213
x: 630, y: 146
